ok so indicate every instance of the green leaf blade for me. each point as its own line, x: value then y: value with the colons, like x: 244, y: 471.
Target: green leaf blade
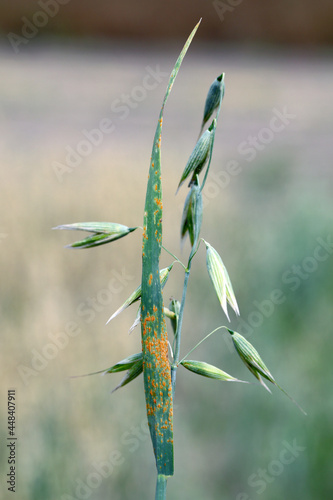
x: 156, y: 365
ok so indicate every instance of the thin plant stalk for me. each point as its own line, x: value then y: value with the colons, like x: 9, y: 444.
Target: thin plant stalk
x: 161, y: 486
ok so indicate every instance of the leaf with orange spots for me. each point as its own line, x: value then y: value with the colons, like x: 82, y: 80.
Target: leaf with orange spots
x: 156, y: 365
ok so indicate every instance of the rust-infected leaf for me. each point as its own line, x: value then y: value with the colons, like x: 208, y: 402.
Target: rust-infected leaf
x: 156, y: 366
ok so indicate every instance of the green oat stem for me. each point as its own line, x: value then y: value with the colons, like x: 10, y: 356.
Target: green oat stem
x: 201, y: 341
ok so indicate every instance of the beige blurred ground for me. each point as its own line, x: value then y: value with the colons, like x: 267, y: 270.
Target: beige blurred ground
x: 263, y: 220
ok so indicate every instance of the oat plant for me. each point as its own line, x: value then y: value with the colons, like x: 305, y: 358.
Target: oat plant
x: 160, y: 358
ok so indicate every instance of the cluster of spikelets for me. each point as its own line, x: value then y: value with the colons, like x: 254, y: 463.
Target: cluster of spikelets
x: 102, y: 233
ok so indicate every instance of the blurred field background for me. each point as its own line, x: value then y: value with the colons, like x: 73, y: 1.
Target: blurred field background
x: 271, y: 221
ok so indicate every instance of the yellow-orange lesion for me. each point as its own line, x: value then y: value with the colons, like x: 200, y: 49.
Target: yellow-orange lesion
x: 150, y: 410
x: 158, y: 202
x: 158, y: 374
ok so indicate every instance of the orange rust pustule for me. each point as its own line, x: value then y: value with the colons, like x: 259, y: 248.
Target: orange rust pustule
x: 159, y: 382
x: 158, y: 143
x: 159, y: 203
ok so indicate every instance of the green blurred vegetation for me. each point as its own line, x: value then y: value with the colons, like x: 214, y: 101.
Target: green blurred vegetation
x: 263, y: 221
